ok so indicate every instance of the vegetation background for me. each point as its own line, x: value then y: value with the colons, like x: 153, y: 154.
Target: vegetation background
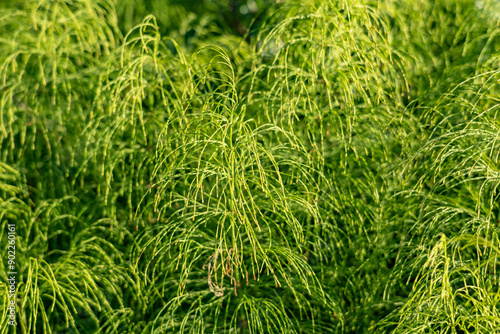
x: 312, y: 166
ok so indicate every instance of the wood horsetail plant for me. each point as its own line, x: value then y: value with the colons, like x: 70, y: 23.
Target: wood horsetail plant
x: 250, y: 166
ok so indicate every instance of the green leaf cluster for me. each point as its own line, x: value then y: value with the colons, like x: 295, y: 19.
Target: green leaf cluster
x: 251, y: 166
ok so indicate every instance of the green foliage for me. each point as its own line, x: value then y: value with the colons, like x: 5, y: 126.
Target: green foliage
x: 250, y: 166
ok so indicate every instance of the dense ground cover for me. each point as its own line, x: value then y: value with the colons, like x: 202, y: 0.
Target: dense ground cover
x: 250, y: 166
